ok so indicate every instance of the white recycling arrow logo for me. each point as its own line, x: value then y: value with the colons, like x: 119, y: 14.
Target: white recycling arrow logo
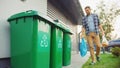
x: 60, y: 43
x: 44, y: 41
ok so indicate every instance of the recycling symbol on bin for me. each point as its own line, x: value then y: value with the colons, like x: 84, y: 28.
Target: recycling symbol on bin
x: 44, y: 41
x: 60, y: 43
x: 69, y: 44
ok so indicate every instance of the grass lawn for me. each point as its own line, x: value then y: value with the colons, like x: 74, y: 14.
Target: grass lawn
x: 107, y: 61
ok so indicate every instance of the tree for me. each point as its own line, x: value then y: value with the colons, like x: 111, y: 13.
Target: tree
x: 107, y: 14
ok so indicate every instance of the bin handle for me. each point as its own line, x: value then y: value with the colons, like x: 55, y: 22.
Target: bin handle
x: 29, y: 11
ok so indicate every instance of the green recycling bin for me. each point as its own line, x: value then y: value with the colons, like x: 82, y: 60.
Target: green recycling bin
x: 66, y: 57
x: 30, y: 40
x: 66, y: 48
x: 66, y: 45
x: 56, y: 47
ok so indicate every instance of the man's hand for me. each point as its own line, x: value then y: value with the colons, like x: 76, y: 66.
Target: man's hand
x: 103, y: 34
x: 82, y: 32
x: 82, y: 36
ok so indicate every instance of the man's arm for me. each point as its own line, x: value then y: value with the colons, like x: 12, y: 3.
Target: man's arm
x: 82, y: 32
x: 100, y: 26
x: 83, y: 26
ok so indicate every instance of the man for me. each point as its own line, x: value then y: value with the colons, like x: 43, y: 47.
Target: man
x: 91, y: 26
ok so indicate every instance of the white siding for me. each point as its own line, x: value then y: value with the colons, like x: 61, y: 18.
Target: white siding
x: 10, y: 7
x: 54, y: 13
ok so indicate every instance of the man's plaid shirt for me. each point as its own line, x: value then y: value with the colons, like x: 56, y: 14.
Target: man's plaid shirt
x: 96, y: 23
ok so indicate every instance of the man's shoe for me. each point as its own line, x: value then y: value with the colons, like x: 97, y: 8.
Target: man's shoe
x: 98, y: 58
x: 92, y: 63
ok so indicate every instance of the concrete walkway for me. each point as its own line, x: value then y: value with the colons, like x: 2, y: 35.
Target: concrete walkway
x: 77, y: 61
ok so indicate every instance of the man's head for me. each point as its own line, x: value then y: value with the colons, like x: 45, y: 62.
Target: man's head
x: 88, y: 10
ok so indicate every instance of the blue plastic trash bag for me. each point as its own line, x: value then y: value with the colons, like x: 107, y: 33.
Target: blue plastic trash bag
x: 83, y: 47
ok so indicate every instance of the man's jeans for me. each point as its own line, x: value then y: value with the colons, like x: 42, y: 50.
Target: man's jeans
x: 92, y: 37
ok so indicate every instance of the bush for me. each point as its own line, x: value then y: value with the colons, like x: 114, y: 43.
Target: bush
x: 116, y: 51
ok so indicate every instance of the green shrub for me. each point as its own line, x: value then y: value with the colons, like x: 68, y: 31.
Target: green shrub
x: 116, y: 51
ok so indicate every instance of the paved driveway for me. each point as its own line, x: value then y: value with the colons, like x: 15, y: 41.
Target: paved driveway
x: 77, y: 61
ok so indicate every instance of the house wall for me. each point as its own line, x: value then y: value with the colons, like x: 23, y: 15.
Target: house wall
x: 8, y: 8
x: 54, y: 13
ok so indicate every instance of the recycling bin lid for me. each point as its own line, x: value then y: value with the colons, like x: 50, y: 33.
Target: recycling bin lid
x: 63, y: 26
x: 29, y: 13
